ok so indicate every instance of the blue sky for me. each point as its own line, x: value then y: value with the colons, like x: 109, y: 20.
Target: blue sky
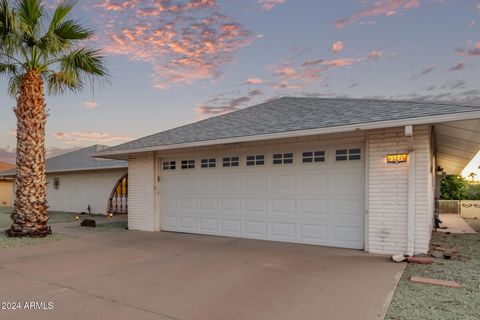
x: 178, y: 61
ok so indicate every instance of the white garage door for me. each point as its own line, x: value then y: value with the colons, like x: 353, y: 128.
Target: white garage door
x: 310, y: 194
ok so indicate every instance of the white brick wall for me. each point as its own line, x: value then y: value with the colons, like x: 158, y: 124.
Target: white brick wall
x: 388, y: 191
x: 142, y: 214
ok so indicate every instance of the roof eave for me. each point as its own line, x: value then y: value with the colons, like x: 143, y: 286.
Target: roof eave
x: 11, y: 175
x: 120, y: 154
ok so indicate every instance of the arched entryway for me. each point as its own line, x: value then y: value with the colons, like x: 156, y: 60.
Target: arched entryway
x: 118, y: 202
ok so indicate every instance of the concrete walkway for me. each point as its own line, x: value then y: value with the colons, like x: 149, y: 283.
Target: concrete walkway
x: 454, y: 223
x: 140, y: 275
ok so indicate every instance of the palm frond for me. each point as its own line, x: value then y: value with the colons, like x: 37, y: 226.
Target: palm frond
x: 62, y: 33
x: 30, y: 13
x: 8, y: 69
x: 62, y: 11
x: 59, y: 82
x: 14, y: 85
x: 72, y: 30
x: 8, y: 39
x: 51, y: 45
x: 63, y: 37
x: 88, y: 61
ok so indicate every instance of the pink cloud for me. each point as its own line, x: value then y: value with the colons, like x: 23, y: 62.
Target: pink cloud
x: 474, y: 51
x: 90, y: 104
x: 379, y: 8
x: 291, y: 75
x: 219, y: 105
x: 375, y: 54
x: 341, y: 62
x: 337, y: 46
x: 75, y: 137
x: 254, y: 81
x: 269, y: 4
x: 184, y: 41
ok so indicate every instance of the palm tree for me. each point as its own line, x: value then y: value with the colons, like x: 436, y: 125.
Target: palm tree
x: 472, y: 175
x: 40, y: 48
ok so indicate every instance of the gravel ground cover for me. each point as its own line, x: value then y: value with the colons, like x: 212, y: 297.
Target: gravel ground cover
x: 424, y: 302
x: 9, y: 243
x: 118, y: 225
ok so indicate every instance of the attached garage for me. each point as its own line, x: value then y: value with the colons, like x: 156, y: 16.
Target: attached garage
x: 311, y: 194
x: 350, y: 173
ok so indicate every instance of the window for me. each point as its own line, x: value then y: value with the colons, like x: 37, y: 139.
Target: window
x: 348, y: 154
x: 208, y: 163
x: 354, y: 154
x: 313, y: 156
x: 258, y: 160
x: 169, y: 165
x: 188, y: 164
x: 231, y: 161
x: 283, y: 158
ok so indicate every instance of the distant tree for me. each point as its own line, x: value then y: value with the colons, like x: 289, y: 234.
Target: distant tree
x: 454, y: 187
x: 473, y: 192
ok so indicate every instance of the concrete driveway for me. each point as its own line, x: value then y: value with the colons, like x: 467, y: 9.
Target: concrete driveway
x: 139, y: 275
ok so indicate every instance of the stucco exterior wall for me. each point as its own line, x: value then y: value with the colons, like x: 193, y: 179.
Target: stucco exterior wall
x: 6, y: 193
x: 388, y: 191
x: 142, y: 214
x: 77, y: 190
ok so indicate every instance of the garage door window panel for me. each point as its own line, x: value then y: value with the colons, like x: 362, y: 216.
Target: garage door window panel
x: 231, y: 161
x: 313, y: 156
x: 169, y: 165
x: 208, y: 163
x: 257, y: 160
x: 188, y: 164
x: 348, y: 154
x: 282, y: 158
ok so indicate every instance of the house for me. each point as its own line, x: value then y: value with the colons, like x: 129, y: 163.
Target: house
x: 6, y: 186
x: 78, y: 182
x: 351, y: 173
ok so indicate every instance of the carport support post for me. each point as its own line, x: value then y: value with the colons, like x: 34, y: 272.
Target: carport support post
x: 411, y: 193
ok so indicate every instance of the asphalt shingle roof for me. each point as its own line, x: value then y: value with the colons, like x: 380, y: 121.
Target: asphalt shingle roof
x: 294, y: 114
x: 79, y: 160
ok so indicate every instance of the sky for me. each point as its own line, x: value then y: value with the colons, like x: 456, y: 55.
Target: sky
x: 173, y: 62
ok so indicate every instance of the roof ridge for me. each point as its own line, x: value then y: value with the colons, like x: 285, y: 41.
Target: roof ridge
x: 67, y: 153
x: 429, y: 102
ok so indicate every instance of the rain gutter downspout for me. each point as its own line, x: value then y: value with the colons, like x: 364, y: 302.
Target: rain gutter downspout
x: 411, y: 192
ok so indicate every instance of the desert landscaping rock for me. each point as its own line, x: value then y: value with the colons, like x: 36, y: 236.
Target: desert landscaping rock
x: 437, y: 282
x: 420, y: 260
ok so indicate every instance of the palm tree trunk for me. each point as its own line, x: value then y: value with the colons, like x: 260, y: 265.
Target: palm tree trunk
x: 30, y: 212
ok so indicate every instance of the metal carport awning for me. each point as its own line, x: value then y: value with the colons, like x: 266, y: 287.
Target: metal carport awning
x: 457, y: 142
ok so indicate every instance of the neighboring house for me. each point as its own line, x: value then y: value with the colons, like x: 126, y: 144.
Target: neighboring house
x: 303, y: 170
x: 6, y: 186
x: 78, y: 182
